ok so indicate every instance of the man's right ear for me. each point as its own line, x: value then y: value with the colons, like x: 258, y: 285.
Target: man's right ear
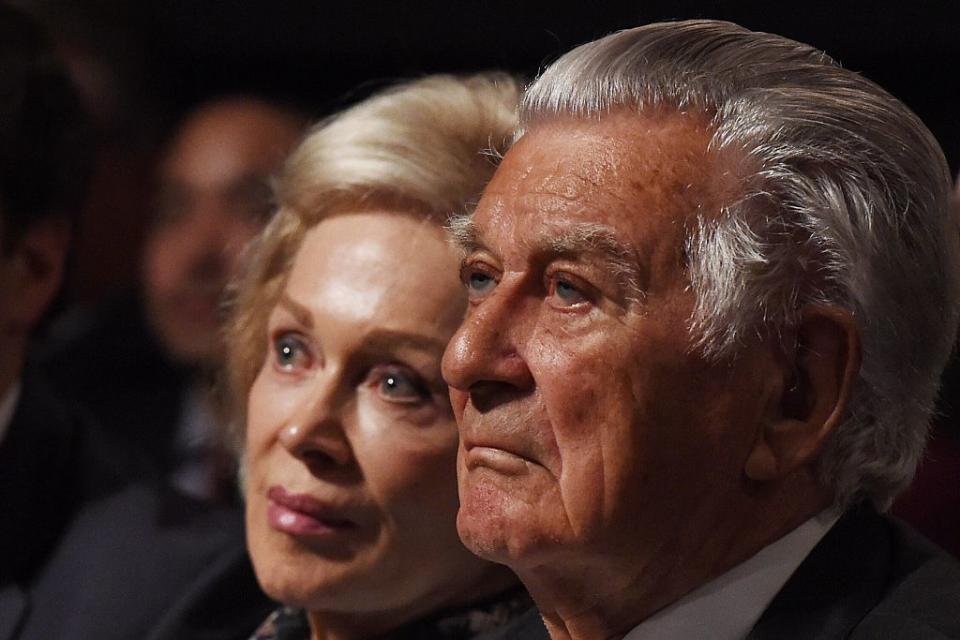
x: 814, y: 396
x: 33, y: 270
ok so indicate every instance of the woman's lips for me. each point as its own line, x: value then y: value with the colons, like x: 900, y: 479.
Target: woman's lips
x: 303, y: 515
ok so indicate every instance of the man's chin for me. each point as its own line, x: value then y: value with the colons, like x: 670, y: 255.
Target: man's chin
x: 484, y: 536
x: 497, y: 520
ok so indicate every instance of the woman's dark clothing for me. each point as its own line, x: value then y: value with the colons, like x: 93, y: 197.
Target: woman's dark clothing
x: 480, y: 620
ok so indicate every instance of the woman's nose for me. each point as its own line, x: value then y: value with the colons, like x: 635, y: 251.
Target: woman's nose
x: 315, y: 433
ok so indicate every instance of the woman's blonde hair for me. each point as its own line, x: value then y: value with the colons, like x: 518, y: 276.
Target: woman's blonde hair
x: 425, y: 147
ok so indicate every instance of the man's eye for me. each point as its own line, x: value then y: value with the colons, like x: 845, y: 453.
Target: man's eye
x: 397, y: 385
x: 478, y: 283
x: 290, y: 353
x: 566, y: 293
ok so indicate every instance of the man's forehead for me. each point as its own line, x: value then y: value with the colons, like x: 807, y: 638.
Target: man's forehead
x: 625, y: 170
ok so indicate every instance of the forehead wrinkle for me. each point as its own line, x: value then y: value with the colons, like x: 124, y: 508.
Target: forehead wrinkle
x: 567, y: 239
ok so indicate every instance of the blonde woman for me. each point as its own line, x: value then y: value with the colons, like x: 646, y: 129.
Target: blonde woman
x: 339, y: 325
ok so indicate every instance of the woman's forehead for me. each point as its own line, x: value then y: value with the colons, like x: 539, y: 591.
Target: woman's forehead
x: 377, y: 268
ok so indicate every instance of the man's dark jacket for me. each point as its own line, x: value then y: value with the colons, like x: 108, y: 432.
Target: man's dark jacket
x: 870, y: 578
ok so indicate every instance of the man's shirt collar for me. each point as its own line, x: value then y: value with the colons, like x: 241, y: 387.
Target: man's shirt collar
x: 727, y: 607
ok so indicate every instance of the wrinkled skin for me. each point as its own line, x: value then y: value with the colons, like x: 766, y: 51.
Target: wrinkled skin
x: 602, y: 457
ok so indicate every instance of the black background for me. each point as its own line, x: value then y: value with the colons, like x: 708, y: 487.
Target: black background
x: 327, y: 54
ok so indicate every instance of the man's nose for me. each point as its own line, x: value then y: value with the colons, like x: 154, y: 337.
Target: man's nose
x: 315, y: 432
x: 487, y: 349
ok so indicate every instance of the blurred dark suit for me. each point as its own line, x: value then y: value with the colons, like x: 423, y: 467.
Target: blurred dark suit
x: 51, y: 463
x: 108, y: 364
x: 86, y: 554
x: 141, y: 563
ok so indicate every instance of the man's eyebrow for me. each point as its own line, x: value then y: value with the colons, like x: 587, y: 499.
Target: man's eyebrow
x: 297, y: 310
x: 602, y: 241
x: 463, y: 232
x: 570, y: 239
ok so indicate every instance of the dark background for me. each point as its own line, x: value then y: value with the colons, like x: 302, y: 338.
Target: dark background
x: 154, y: 59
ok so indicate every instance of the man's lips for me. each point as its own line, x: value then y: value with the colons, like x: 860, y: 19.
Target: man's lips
x: 498, y: 460
x: 304, y: 515
x: 497, y: 456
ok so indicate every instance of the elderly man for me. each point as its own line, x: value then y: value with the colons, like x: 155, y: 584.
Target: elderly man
x: 712, y: 288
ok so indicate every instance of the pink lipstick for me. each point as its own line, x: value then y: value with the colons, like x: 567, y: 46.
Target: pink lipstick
x: 301, y: 514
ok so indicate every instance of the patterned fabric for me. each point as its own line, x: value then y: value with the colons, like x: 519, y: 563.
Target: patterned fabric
x: 289, y: 623
x: 286, y: 623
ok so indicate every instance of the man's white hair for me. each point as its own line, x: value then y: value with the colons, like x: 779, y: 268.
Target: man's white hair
x: 844, y: 201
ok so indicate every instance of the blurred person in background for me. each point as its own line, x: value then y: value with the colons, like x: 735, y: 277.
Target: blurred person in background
x: 141, y: 363
x: 50, y: 461
x: 80, y: 544
x: 348, y: 439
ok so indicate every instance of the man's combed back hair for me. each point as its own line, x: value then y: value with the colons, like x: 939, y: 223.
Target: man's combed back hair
x: 424, y: 148
x: 844, y: 201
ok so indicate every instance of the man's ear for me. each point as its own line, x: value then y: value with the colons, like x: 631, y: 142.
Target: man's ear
x: 34, y: 269
x: 818, y: 380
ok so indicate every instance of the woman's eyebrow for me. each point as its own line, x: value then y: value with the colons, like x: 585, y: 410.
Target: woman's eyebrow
x: 297, y: 310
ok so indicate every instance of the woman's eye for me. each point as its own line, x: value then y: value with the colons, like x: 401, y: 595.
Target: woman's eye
x: 290, y: 352
x: 397, y: 385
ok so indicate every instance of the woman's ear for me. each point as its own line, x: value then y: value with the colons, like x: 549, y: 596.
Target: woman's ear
x: 818, y: 380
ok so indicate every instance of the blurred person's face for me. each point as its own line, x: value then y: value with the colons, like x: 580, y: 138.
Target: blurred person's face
x: 213, y: 198
x: 593, y: 433
x: 351, y: 445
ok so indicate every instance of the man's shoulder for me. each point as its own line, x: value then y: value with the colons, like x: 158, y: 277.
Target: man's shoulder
x: 870, y: 577
x: 923, y: 600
